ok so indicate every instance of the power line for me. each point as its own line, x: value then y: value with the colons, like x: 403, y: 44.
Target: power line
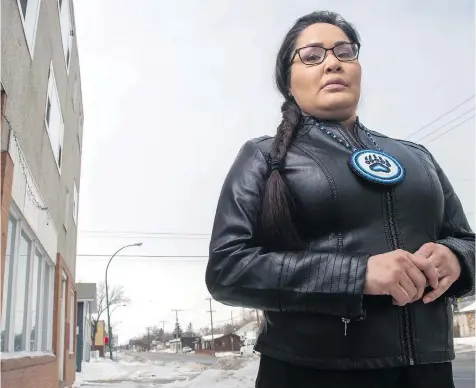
x: 444, y: 125
x: 146, y: 256
x: 440, y: 117
x: 449, y: 130
x: 202, y: 238
x: 144, y: 233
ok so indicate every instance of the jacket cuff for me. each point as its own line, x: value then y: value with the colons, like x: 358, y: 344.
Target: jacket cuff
x: 464, y: 251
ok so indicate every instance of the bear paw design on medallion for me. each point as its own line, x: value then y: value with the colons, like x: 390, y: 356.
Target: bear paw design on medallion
x: 378, y: 164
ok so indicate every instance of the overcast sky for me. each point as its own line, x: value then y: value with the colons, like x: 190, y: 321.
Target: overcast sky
x: 171, y: 91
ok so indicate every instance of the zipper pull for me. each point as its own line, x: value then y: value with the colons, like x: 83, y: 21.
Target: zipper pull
x: 346, y: 322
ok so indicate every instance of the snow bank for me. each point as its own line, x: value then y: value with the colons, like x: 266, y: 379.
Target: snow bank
x: 468, y: 341
x: 244, y: 375
x: 128, y: 368
x: 227, y: 354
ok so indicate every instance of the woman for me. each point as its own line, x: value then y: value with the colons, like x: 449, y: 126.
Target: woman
x: 353, y: 244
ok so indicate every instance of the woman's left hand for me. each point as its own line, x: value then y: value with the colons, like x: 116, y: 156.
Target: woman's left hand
x: 446, y: 264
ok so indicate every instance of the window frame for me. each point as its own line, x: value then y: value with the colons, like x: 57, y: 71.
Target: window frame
x: 75, y: 202
x: 68, y: 48
x: 72, y: 321
x: 48, y: 107
x: 67, y: 207
x: 43, y: 318
x: 25, y: 20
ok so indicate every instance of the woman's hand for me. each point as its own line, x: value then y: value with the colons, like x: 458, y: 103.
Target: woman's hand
x: 446, y: 264
x: 399, y: 274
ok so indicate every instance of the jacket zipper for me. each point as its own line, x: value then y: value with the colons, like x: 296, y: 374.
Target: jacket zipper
x: 406, y: 312
x: 353, y: 140
x: 393, y: 233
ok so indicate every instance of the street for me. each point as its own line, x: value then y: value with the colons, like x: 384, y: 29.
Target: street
x: 463, y: 370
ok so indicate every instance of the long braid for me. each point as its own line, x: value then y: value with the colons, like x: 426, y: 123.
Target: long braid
x: 276, y: 215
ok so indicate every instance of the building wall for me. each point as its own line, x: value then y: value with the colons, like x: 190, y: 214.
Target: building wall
x: 6, y: 197
x: 29, y: 373
x: 228, y: 343
x: 26, y: 83
x: 24, y: 76
x: 69, y: 347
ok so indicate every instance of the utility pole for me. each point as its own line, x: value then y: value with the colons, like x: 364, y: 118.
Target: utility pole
x: 211, y: 322
x: 233, y: 332
x: 163, y: 331
x: 257, y: 317
x: 148, y: 339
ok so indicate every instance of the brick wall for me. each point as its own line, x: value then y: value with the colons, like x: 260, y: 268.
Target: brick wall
x: 39, y: 372
x: 70, y: 359
x: 6, y: 198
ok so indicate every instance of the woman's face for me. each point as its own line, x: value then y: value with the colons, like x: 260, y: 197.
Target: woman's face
x: 308, y: 82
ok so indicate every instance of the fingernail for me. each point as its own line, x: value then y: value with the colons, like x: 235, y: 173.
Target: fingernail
x: 426, y: 300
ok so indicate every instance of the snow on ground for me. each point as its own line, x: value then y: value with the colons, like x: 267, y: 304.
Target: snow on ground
x: 228, y: 372
x: 129, y: 369
x: 226, y: 354
x: 463, y: 344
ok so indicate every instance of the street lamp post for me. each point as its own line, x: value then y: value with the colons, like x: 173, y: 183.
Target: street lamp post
x: 107, y: 296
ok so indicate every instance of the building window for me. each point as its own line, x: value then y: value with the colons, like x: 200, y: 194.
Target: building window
x: 7, y: 281
x: 47, y: 290
x: 20, y: 283
x: 27, y: 317
x: 75, y: 203
x: 66, y: 209
x: 54, y: 120
x: 29, y: 10
x: 66, y: 21
x: 72, y: 323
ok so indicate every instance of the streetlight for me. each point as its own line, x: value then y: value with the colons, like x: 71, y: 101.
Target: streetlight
x: 116, y: 307
x: 107, y: 296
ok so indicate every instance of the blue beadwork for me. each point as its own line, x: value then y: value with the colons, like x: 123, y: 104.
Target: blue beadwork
x: 344, y: 142
x: 358, y: 169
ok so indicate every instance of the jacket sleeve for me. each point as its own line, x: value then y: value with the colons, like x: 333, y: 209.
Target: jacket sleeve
x: 456, y: 234
x: 240, y: 272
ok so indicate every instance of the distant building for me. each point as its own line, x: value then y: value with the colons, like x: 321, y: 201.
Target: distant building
x: 464, y: 320
x: 222, y: 342
x: 87, y: 305
x: 250, y: 330
x: 41, y: 145
x: 99, y: 343
x: 177, y: 344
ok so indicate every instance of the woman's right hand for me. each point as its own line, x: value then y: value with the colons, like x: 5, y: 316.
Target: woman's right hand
x: 400, y: 274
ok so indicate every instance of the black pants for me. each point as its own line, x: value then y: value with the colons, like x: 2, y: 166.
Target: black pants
x: 276, y: 374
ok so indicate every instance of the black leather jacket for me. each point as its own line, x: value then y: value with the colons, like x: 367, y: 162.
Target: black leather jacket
x: 315, y: 312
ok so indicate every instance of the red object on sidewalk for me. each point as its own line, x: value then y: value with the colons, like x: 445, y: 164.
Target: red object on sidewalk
x: 106, y: 340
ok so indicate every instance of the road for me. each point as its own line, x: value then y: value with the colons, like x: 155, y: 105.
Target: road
x: 463, y: 370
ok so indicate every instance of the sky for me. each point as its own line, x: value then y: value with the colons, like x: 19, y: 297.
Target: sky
x: 172, y: 90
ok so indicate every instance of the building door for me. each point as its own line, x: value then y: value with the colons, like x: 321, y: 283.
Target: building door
x: 62, y: 324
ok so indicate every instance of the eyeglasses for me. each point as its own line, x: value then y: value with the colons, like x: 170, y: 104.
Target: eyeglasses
x: 313, y: 55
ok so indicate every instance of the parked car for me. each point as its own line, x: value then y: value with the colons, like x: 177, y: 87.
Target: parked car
x: 248, y: 347
x: 186, y: 349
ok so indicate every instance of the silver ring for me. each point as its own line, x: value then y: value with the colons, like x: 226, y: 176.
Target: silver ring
x: 438, y: 273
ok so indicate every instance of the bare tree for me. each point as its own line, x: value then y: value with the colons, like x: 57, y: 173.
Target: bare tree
x: 116, y: 298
